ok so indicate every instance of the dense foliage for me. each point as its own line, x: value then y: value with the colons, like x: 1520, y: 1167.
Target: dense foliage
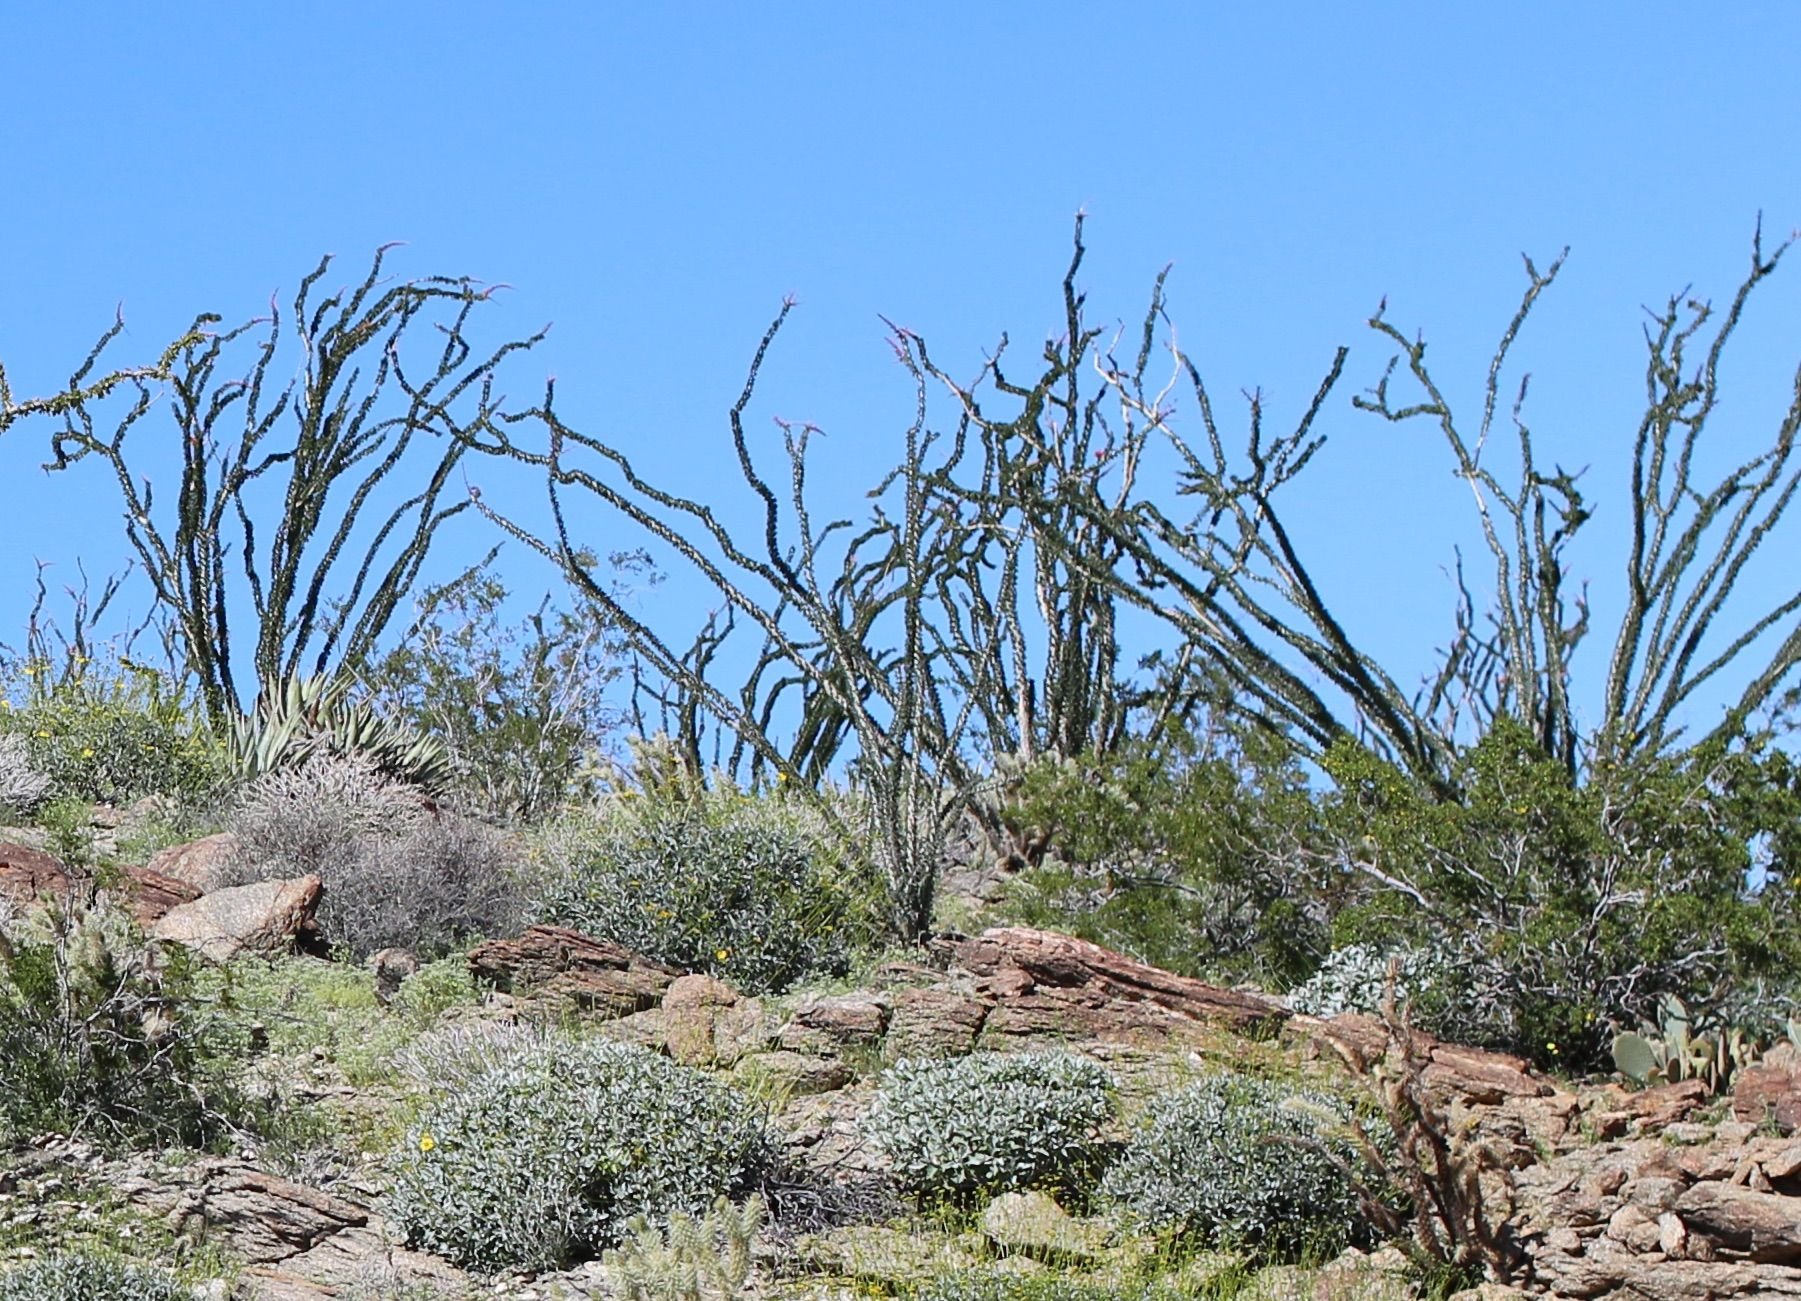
x: 544, y: 1159
x: 992, y: 1123
x: 1571, y: 906
x: 755, y: 891
x: 1240, y: 1161
x: 1196, y: 851
x: 108, y: 733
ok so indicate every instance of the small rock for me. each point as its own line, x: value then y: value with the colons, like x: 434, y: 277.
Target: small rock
x: 1763, y: 1226
x: 1672, y: 1235
x: 826, y: 1024
x: 264, y: 917
x: 557, y: 962
x: 792, y: 1074
x: 1768, y: 1093
x: 691, y: 1006
x: 1033, y: 1223
x: 390, y: 968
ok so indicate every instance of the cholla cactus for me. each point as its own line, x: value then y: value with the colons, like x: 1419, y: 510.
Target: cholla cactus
x: 691, y: 1260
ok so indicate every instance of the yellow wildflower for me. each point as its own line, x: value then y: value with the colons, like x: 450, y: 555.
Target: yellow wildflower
x: 722, y: 954
x: 427, y: 1142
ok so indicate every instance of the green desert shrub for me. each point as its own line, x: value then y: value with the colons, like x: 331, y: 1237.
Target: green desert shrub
x: 1194, y: 853
x: 87, y: 1277
x: 111, y: 734
x: 750, y: 890
x: 302, y: 1006
x: 1237, y: 1161
x: 101, y: 1033
x: 544, y: 1160
x: 1569, y: 907
x: 993, y: 1122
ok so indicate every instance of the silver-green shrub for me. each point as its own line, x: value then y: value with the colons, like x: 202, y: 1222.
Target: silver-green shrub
x: 1354, y: 977
x: 1441, y: 997
x: 1237, y: 1161
x: 751, y: 890
x: 992, y: 1122
x: 448, y: 1058
x: 544, y: 1160
x: 22, y: 787
x: 86, y: 1277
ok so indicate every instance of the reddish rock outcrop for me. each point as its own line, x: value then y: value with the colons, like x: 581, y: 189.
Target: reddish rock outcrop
x: 1043, y: 983
x: 1475, y: 1074
x: 934, y: 1023
x: 1645, y: 1219
x: 1770, y: 1090
x: 201, y: 863
x: 150, y: 895
x: 27, y: 875
x: 557, y: 962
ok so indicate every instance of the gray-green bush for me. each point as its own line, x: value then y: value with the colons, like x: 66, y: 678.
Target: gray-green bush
x: 544, y: 1160
x: 85, y: 1277
x: 993, y: 1122
x: 750, y: 890
x: 1442, y: 997
x: 1237, y: 1161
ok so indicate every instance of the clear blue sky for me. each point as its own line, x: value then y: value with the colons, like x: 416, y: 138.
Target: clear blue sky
x: 654, y: 179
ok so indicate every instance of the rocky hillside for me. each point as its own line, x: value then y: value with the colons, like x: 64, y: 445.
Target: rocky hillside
x: 1663, y: 1193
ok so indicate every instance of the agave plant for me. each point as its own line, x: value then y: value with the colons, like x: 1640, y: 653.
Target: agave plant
x: 309, y: 715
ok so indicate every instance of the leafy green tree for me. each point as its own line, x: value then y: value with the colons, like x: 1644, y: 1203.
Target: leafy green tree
x: 523, y: 708
x: 1572, y: 906
x: 1201, y: 850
